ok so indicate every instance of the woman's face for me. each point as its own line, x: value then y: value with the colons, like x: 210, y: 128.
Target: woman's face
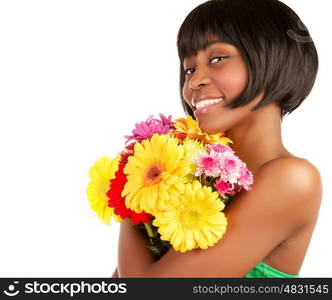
x: 218, y: 71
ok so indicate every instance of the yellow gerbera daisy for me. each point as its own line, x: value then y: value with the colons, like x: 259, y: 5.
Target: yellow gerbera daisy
x: 190, y: 126
x: 101, y: 174
x: 193, y: 219
x: 157, y: 166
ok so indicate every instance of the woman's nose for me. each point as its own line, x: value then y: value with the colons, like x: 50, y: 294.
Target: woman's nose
x: 199, y: 78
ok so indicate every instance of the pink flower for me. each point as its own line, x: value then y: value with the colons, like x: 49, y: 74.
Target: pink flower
x: 230, y: 167
x: 219, y: 148
x: 246, y: 177
x: 166, y: 121
x: 208, y: 164
x: 144, y: 130
x: 224, y: 188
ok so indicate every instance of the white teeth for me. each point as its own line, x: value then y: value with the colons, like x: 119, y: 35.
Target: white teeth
x: 203, y: 103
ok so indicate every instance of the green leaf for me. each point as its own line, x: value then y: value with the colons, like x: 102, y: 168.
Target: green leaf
x: 154, y: 249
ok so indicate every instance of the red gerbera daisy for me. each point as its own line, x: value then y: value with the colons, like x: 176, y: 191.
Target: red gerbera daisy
x: 118, y: 202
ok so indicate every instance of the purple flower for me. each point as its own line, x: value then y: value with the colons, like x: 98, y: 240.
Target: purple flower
x: 144, y: 130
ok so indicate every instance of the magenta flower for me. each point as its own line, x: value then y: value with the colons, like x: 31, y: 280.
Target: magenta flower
x: 166, y: 121
x: 230, y: 167
x: 224, y: 188
x: 208, y: 164
x: 144, y: 130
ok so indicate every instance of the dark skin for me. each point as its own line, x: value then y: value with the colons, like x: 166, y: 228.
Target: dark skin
x: 274, y: 221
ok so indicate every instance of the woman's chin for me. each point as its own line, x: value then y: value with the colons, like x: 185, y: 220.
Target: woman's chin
x: 210, y: 129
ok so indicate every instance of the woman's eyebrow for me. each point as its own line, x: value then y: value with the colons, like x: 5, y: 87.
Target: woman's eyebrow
x: 209, y: 44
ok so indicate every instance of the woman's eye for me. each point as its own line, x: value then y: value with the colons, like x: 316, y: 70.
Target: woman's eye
x: 185, y: 71
x: 218, y: 57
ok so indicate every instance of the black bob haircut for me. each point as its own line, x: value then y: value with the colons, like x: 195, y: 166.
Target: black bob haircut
x: 279, y: 53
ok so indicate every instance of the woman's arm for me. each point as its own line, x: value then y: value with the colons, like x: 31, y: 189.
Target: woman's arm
x: 285, y: 196
x: 132, y: 243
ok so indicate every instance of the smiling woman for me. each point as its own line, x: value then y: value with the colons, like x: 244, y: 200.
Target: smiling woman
x: 241, y: 72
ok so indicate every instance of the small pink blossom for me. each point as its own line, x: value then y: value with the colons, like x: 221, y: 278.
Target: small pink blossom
x: 219, y: 148
x: 230, y: 166
x: 246, y: 177
x: 145, y: 130
x: 224, y: 188
x: 208, y: 164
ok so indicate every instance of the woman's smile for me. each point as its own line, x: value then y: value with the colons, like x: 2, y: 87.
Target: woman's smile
x: 200, y: 110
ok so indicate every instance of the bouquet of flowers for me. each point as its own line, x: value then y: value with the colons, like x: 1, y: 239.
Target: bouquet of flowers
x: 173, y: 181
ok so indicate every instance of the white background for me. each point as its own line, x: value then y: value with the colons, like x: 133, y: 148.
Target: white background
x: 74, y: 78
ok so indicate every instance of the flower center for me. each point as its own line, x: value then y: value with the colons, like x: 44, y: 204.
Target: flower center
x: 153, y: 174
x: 230, y: 163
x: 208, y: 162
x: 191, y: 219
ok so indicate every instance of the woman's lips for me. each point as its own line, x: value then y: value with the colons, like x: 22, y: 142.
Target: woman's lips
x: 205, y: 109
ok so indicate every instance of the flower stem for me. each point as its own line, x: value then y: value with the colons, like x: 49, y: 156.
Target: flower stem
x: 149, y: 230
x: 203, y: 179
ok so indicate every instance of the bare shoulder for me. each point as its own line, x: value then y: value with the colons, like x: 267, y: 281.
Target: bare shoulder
x: 299, y: 178
x: 298, y: 172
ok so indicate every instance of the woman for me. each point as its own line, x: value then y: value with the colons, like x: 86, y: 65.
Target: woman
x: 243, y: 67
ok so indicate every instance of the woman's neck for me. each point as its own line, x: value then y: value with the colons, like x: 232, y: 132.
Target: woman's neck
x: 257, y: 139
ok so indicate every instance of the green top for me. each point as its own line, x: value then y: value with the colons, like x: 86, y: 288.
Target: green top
x: 263, y: 270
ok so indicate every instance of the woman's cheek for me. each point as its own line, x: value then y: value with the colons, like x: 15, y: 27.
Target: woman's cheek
x: 231, y: 82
